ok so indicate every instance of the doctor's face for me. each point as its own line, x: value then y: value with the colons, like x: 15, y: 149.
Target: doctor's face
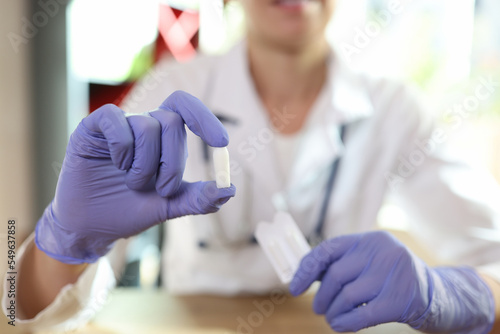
x: 291, y: 23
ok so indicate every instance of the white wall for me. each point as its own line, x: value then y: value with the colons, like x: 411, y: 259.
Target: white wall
x: 16, y: 181
x: 16, y: 162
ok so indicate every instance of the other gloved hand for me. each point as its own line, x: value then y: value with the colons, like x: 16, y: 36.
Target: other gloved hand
x: 122, y: 175
x: 371, y: 278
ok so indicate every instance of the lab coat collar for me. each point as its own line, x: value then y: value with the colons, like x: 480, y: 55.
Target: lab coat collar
x: 343, y: 101
x: 349, y: 99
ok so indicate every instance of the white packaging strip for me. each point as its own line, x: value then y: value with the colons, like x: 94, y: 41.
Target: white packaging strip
x: 283, y: 243
x: 221, y: 167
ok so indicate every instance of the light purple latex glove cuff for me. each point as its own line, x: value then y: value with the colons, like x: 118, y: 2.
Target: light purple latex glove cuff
x: 371, y: 278
x: 50, y: 234
x: 122, y: 175
x: 461, y: 303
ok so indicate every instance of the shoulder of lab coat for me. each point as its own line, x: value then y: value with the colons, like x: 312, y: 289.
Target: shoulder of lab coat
x: 76, y: 303
x: 445, y: 197
x: 448, y: 200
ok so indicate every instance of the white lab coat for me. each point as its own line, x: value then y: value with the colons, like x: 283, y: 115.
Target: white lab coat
x: 386, y: 126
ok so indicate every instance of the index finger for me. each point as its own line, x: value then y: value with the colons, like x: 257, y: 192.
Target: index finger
x: 110, y: 122
x: 316, y: 263
x: 198, y: 118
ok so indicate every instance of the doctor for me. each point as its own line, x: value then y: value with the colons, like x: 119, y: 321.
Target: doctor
x: 309, y: 136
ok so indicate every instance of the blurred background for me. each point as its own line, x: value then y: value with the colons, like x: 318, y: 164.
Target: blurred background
x: 61, y: 59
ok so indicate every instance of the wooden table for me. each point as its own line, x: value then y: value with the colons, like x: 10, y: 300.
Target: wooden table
x: 154, y: 311
x: 132, y: 311
x: 150, y: 312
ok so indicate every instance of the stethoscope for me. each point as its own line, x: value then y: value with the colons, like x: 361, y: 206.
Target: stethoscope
x: 317, y: 236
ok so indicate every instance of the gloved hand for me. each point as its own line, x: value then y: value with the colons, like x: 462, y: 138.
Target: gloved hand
x: 122, y: 175
x: 371, y: 278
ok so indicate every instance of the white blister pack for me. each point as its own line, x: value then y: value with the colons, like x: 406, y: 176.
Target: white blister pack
x: 283, y: 243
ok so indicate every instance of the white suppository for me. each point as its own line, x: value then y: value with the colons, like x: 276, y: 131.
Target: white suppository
x: 283, y: 243
x: 221, y: 167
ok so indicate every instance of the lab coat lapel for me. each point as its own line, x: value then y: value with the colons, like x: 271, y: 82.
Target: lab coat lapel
x: 351, y: 96
x: 342, y: 101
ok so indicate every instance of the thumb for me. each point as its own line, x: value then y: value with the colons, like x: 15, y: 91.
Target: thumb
x: 198, y: 198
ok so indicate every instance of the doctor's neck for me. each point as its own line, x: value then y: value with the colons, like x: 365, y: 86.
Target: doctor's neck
x: 287, y: 77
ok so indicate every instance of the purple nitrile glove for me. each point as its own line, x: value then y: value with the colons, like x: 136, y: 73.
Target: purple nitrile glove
x: 371, y: 278
x: 122, y: 175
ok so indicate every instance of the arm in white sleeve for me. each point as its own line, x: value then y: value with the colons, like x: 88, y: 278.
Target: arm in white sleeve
x: 445, y: 197
x: 76, y: 303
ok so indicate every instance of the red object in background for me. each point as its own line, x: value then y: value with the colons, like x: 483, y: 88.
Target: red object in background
x: 177, y: 37
x: 100, y: 94
x: 178, y: 29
